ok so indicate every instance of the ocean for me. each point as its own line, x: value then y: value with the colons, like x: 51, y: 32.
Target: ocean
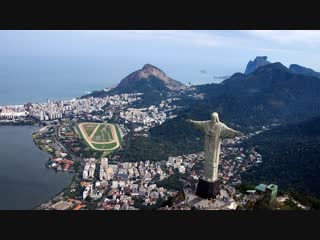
x: 35, y: 79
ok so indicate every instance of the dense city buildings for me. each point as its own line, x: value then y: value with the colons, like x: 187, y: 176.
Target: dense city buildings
x: 111, y: 184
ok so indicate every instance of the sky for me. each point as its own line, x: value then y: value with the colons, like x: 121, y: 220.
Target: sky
x: 79, y: 61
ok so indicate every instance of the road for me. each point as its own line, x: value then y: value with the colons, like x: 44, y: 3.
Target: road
x: 56, y: 138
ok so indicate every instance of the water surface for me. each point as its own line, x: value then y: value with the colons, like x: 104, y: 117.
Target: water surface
x: 25, y: 182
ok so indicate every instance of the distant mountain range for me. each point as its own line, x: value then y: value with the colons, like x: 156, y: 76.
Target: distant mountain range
x: 272, y: 93
x: 222, y: 77
x: 295, y: 68
x: 267, y: 85
x: 267, y: 92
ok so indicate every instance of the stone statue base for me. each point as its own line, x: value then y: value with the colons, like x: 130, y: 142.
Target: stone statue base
x: 208, y: 190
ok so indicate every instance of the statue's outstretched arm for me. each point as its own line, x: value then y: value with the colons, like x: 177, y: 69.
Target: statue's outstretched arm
x: 197, y: 124
x: 227, y: 132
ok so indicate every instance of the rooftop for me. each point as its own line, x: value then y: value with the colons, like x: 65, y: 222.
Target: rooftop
x: 251, y: 191
x: 261, y: 187
x: 272, y: 187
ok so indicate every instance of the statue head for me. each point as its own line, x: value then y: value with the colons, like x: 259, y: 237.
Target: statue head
x: 215, y: 117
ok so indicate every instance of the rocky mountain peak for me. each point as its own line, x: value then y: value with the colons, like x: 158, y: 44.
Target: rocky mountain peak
x: 259, y: 61
x: 150, y: 67
x: 148, y: 71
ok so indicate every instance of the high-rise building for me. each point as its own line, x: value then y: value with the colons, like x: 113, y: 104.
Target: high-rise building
x: 85, y: 175
x: 271, y: 192
x: 91, y: 170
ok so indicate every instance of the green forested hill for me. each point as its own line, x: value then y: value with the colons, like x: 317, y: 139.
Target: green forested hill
x: 291, y: 157
x: 270, y: 94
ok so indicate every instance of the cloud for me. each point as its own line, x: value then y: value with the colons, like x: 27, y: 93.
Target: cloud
x: 188, y: 37
x: 309, y: 37
x: 276, y: 50
x: 259, y: 41
x: 279, y: 40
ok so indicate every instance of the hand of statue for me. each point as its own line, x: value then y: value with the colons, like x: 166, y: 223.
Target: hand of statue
x: 240, y: 134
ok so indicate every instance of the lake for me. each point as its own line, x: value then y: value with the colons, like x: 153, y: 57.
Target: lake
x: 25, y: 182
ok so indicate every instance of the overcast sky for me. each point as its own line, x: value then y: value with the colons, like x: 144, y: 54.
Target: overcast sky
x: 194, y: 56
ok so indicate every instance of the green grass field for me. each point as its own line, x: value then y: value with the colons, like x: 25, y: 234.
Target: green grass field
x: 103, y: 134
x: 90, y: 128
x: 105, y: 146
x: 119, y: 135
x: 82, y: 137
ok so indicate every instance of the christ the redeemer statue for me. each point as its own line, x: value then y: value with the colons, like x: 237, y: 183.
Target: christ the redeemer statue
x: 215, y: 131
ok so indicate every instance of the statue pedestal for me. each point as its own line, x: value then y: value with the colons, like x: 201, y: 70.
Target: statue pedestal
x: 208, y: 190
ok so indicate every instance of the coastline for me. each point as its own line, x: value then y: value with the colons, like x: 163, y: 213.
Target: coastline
x: 38, y: 207
x: 31, y: 168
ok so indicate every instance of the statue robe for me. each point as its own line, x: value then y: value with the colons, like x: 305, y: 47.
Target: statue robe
x: 214, y: 133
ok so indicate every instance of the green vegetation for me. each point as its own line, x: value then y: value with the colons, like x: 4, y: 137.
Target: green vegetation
x: 153, y: 88
x: 89, y: 128
x: 90, y: 205
x: 103, y: 134
x: 290, y: 157
x: 174, y: 137
x: 243, y: 187
x: 244, y: 102
x: 174, y: 200
x: 171, y: 139
x: 289, y: 205
x: 77, y: 166
x: 306, y: 200
x: 172, y: 183
x: 77, y: 193
x: 86, y: 150
x: 105, y: 146
x: 142, y: 148
x: 138, y: 203
x: 82, y: 137
x: 119, y: 135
